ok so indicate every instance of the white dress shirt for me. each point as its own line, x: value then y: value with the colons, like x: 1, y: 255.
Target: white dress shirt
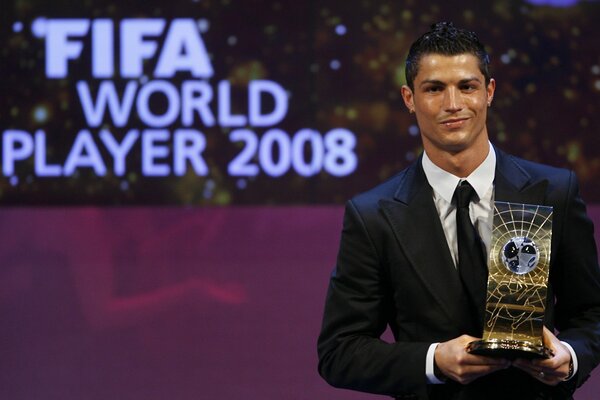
x: 481, y: 211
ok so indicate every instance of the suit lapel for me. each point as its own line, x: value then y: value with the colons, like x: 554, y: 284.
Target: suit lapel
x: 513, y: 184
x: 417, y: 227
x: 414, y: 220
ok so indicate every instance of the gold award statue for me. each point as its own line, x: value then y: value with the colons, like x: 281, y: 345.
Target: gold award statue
x: 518, y: 266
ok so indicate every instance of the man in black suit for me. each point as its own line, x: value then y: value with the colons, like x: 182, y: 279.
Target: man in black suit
x: 398, y: 262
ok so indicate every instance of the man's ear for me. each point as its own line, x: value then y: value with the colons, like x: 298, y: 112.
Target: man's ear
x: 491, y: 88
x: 407, y: 96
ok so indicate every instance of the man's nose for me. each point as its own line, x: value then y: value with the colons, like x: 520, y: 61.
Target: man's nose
x: 453, y: 100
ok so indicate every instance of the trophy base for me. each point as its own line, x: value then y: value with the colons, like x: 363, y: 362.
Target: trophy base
x: 509, y: 349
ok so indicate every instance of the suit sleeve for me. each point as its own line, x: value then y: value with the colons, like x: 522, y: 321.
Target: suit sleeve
x: 357, y: 310
x: 576, y: 280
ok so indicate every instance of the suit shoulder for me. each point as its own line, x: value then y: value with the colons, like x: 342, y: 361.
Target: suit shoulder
x: 385, y: 190
x: 540, y: 171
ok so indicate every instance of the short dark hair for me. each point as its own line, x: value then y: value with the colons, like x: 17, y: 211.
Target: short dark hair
x: 444, y: 38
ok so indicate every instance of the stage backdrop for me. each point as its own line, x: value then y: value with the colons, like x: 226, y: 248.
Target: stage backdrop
x: 173, y: 174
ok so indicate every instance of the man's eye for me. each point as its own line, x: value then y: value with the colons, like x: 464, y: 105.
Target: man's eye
x: 434, y: 89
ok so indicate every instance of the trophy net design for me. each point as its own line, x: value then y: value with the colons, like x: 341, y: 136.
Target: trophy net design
x: 517, y: 282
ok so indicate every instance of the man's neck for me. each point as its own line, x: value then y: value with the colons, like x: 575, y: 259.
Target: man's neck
x: 461, y: 163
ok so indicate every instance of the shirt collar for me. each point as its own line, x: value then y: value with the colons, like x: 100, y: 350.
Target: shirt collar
x: 444, y: 183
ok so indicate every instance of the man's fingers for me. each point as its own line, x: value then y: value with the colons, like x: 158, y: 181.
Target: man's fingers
x: 469, y: 373
x: 455, y: 362
x: 549, y: 376
x: 483, y: 369
x: 483, y: 360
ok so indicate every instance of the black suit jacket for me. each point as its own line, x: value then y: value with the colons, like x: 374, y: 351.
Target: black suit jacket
x: 394, y: 268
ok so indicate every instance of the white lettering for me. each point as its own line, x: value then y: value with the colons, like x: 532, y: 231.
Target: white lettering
x: 118, y: 150
x: 16, y: 145
x: 196, y: 96
x: 225, y: 116
x: 189, y: 145
x: 138, y: 38
x: 102, y: 48
x: 143, y: 104
x: 134, y: 48
x: 256, y: 89
x: 107, y: 95
x: 59, y: 49
x: 151, y: 150
x: 183, y: 50
x: 84, y: 153
x: 41, y: 168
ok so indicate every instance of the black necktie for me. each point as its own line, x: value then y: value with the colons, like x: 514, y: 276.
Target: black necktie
x: 471, y: 265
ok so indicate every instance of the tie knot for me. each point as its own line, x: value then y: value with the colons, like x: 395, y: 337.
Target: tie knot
x: 464, y: 194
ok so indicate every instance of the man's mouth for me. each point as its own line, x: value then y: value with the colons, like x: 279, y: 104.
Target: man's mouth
x: 454, y: 122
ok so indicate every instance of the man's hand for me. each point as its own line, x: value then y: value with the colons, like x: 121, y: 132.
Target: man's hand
x: 454, y: 362
x: 550, y: 371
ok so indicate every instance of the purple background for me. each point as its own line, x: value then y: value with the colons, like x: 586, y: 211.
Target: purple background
x: 155, y: 303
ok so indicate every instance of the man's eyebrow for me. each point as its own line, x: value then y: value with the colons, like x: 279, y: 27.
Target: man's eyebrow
x: 437, y: 82
x: 467, y: 80
x: 432, y: 82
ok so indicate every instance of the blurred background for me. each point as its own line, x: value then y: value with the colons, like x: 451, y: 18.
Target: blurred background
x: 173, y: 175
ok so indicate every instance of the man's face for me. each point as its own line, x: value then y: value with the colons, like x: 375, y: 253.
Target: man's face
x: 450, y: 100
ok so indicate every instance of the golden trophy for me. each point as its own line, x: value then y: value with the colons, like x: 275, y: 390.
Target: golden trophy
x: 518, y: 264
